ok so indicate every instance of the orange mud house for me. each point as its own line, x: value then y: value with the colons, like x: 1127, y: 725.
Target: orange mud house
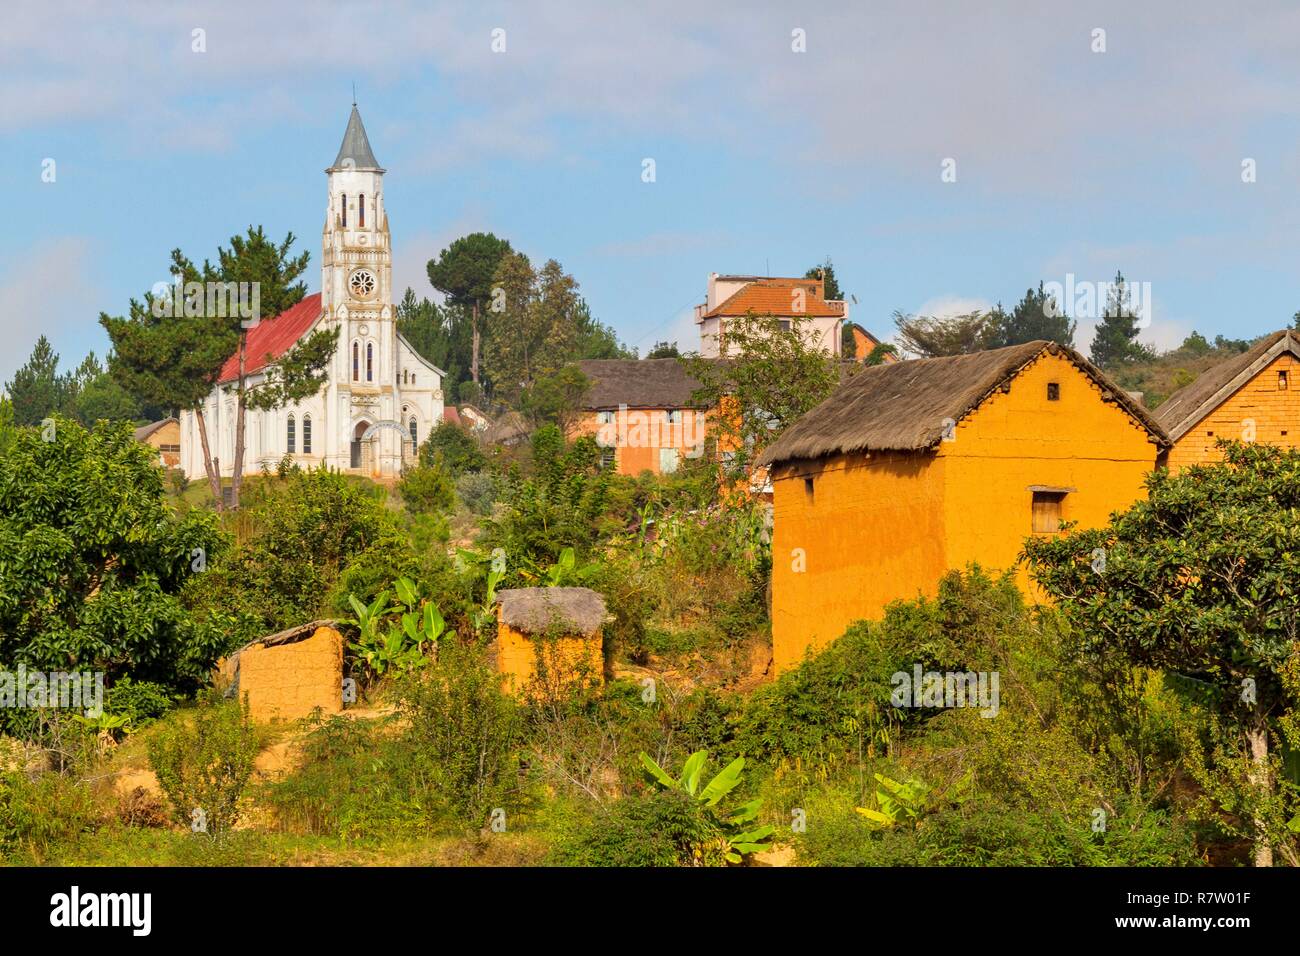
x: 914, y: 468
x: 641, y: 413
x: 1252, y: 397
x: 864, y: 343
x: 165, y: 436
x: 549, y: 638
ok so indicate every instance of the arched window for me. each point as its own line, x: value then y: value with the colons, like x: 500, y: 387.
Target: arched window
x: 306, y: 434
x: 290, y: 444
x: 370, y: 361
x: 361, y: 211
x: 345, y: 210
x: 356, y: 362
x: 415, y: 432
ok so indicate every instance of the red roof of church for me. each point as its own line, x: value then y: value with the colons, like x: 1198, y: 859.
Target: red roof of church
x: 271, y: 338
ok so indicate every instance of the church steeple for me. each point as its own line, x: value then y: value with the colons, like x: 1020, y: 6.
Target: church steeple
x: 356, y: 257
x: 355, y: 151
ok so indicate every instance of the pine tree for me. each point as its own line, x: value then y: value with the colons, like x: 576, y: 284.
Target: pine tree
x: 1115, y: 341
x: 174, y: 359
x: 37, y: 390
x: 1036, y: 316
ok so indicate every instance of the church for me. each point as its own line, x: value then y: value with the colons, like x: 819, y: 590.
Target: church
x: 380, y: 397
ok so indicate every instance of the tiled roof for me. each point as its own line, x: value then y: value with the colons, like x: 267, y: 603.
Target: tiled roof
x: 271, y: 338
x: 775, y: 297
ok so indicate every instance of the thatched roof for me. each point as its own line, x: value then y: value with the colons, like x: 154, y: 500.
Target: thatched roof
x: 570, y: 611
x: 637, y: 383
x: 144, y: 431
x: 1187, y: 406
x: 509, y: 429
x: 903, y: 406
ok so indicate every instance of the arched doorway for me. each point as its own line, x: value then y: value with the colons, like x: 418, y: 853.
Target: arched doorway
x: 360, y: 449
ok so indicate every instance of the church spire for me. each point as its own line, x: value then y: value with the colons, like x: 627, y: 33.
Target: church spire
x: 355, y: 153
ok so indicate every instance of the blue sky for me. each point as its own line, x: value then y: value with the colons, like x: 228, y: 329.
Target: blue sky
x: 767, y: 160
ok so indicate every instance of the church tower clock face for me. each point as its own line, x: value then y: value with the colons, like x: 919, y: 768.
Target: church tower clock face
x: 362, y: 284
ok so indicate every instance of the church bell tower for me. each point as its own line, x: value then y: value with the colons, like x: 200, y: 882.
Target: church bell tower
x: 356, y: 259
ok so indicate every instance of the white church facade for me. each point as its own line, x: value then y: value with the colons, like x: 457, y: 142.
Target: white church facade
x: 380, y: 398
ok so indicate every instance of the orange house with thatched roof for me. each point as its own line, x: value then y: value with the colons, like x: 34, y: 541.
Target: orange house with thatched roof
x: 911, y: 469
x: 1252, y: 397
x: 643, y: 413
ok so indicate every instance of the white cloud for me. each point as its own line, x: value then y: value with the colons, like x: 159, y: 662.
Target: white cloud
x: 946, y: 306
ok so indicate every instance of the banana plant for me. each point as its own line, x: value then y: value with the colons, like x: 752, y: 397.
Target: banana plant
x: 420, y: 623
x: 898, y: 803
x: 735, y: 829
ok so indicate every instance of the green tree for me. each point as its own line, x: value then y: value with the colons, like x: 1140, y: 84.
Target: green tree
x: 663, y: 350
x: 826, y: 272
x: 1036, y: 316
x: 1115, y: 341
x: 95, y: 561
x: 1202, y: 580
x: 453, y: 448
x: 36, y: 389
x: 464, y: 273
x: 555, y: 397
x: 560, y: 504
x: 776, y: 376
x: 594, y: 339
x: 171, y: 352
x: 928, y: 336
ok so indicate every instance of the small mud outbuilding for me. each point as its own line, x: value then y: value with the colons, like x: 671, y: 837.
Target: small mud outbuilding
x: 287, y: 676
x: 548, y: 638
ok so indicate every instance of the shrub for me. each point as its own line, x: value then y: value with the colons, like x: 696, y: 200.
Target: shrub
x: 465, y: 731
x: 838, y: 701
x: 306, y: 532
x: 478, y: 491
x: 355, y: 781
x: 660, y: 829
x: 427, y: 490
x: 38, y: 813
x: 140, y: 702
x: 204, y: 768
x: 992, y: 833
x: 454, y: 449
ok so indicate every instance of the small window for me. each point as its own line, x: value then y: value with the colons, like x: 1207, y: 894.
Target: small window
x: 290, y: 441
x: 356, y: 362
x: 608, y: 457
x: 1047, y: 511
x: 1209, y: 434
x: 1053, y: 391
x: 785, y: 325
x: 415, y: 432
x: 370, y: 361
x: 1282, y: 380
x: 361, y: 211
x: 345, y: 210
x: 673, y: 416
x: 808, y: 490
x: 306, y: 434
x: 604, y: 418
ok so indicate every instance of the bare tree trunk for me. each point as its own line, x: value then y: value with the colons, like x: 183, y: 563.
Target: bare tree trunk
x: 237, y: 475
x: 214, y: 476
x: 1257, y: 738
x: 473, y: 361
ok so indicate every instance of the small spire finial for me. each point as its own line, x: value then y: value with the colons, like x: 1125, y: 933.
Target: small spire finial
x: 354, y: 92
